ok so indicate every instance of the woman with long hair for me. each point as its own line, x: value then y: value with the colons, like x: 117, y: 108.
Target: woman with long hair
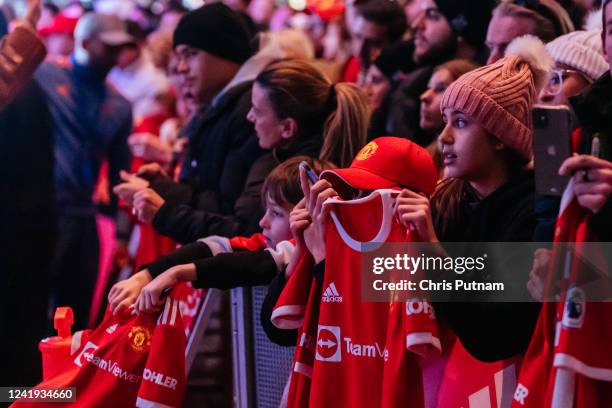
x: 294, y: 103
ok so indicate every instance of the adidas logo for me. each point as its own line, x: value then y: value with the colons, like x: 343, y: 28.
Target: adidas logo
x: 111, y: 329
x: 331, y: 294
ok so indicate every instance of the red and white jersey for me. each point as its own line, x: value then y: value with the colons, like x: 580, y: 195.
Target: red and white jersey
x: 121, y: 360
x: 355, y: 353
x: 189, y: 300
x: 107, y: 369
x: 163, y: 377
x: 469, y: 383
x: 568, y: 363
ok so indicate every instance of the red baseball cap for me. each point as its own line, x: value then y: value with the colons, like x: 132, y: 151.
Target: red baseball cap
x: 61, y: 24
x: 388, y: 162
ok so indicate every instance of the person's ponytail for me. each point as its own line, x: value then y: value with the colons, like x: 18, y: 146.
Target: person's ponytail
x: 346, y: 128
x: 298, y: 90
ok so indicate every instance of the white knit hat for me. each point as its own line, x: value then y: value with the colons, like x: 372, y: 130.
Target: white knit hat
x: 582, y: 51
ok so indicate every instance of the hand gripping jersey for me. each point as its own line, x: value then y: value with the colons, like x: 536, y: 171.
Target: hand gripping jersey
x: 568, y: 363
x: 126, y: 357
x: 353, y: 353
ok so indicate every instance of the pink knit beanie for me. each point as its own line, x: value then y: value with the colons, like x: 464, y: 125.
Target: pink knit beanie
x: 500, y: 96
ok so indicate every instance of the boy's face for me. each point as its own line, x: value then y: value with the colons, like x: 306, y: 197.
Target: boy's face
x: 275, y: 223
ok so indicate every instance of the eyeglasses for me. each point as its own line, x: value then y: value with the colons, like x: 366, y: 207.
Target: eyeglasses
x: 555, y: 83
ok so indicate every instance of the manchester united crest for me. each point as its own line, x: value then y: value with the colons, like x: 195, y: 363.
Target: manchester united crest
x: 140, y: 338
x: 367, y: 151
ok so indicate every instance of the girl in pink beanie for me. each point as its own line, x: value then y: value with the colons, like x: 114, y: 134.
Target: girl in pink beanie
x: 487, y: 139
x: 487, y: 196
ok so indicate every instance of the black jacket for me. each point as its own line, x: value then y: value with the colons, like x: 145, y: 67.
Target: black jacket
x: 26, y: 160
x: 594, y: 111
x: 241, y: 268
x: 251, y: 272
x: 234, y: 269
x: 222, y: 150
x: 27, y: 208
x: 493, y: 331
x: 184, y: 223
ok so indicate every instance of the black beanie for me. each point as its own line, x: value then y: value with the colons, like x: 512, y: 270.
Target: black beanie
x: 468, y: 19
x: 216, y: 29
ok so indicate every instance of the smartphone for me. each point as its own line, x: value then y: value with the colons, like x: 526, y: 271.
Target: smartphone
x: 165, y: 293
x: 312, y: 176
x: 551, y: 146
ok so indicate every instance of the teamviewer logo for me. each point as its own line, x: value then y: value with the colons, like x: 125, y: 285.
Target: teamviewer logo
x: 85, y: 352
x: 328, y: 344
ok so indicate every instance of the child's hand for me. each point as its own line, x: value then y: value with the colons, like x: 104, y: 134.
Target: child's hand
x: 414, y: 211
x: 314, y: 235
x: 309, y: 216
x: 150, y: 298
x: 299, y: 220
x: 123, y: 294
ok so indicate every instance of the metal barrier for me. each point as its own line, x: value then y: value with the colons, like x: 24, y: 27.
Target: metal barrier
x: 261, y: 368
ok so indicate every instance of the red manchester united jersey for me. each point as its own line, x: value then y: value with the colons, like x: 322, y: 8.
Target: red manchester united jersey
x: 126, y: 357
x: 350, y: 352
x: 568, y: 363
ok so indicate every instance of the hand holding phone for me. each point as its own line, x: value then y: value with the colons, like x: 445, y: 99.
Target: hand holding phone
x: 551, y: 146
x: 312, y: 176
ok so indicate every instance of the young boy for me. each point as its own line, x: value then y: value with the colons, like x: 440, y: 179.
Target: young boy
x: 218, y: 262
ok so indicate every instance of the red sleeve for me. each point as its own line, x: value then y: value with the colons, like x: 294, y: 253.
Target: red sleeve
x: 163, y: 377
x: 253, y: 243
x: 291, y: 306
x: 576, y: 139
x: 351, y: 70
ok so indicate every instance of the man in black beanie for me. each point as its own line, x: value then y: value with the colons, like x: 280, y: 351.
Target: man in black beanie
x: 211, y: 44
x: 444, y: 30
x: 448, y: 29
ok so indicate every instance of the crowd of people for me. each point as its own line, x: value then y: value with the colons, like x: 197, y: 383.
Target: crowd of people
x: 145, y: 136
